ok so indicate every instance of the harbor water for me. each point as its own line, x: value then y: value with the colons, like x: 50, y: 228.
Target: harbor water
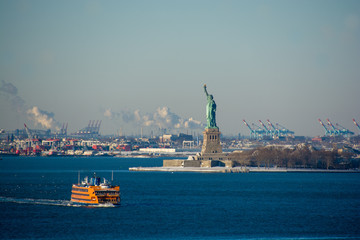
x: 35, y: 202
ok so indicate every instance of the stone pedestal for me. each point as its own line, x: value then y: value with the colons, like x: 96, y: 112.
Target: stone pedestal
x: 211, y: 142
x: 211, y: 154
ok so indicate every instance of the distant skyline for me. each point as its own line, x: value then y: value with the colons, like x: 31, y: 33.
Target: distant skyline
x: 143, y: 64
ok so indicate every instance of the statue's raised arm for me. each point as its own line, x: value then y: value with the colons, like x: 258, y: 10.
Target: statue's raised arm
x: 205, y: 90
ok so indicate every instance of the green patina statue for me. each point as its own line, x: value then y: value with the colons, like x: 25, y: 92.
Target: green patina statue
x: 210, y: 110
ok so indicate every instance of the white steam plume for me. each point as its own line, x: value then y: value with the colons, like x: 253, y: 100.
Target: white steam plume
x: 161, y: 118
x: 43, y: 118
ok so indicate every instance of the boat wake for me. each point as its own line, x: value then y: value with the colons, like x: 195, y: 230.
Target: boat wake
x: 52, y: 202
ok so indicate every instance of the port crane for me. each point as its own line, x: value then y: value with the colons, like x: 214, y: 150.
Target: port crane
x: 327, y: 131
x: 259, y: 131
x: 32, y: 149
x: 356, y: 124
x: 63, y: 130
x: 283, y: 130
x: 344, y: 131
x: 252, y: 131
x: 268, y: 131
x: 92, y: 128
x: 274, y: 131
x: 98, y: 126
x: 29, y: 136
x: 334, y: 130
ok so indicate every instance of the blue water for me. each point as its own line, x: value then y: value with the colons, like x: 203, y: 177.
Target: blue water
x: 35, y: 194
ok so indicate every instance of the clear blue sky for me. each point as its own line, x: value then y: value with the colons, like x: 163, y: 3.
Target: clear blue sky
x: 136, y: 64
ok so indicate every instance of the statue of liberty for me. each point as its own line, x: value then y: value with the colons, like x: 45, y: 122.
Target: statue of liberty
x: 210, y: 110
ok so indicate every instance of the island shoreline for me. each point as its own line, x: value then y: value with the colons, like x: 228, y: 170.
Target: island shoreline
x: 239, y: 170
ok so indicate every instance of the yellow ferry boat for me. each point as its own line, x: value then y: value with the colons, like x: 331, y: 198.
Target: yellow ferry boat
x: 94, y: 192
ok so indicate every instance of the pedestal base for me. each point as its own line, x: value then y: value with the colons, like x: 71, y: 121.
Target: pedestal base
x: 211, y: 142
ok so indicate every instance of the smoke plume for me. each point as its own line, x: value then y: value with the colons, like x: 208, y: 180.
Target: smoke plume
x: 8, y: 88
x: 39, y: 117
x: 43, y: 118
x: 162, y: 118
x: 9, y: 91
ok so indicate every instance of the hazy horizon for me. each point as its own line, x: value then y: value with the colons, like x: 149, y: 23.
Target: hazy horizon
x: 143, y: 64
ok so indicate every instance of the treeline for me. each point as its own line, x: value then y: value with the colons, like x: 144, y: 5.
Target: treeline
x: 303, y: 156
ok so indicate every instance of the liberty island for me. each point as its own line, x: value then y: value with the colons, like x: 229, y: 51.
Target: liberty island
x: 211, y: 154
